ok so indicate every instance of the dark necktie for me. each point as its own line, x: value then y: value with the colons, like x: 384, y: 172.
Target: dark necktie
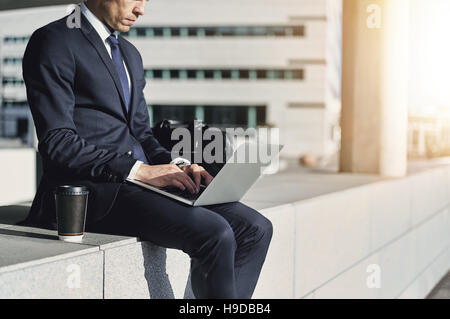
x: 138, y: 152
x: 118, y: 62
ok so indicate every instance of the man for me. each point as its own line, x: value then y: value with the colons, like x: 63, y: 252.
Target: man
x: 85, y: 90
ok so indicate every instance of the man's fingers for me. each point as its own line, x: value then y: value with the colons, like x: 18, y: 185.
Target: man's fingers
x: 187, y: 181
x: 207, y: 176
x: 197, y: 178
x: 178, y: 184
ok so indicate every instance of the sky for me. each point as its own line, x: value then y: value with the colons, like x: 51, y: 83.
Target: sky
x: 430, y: 55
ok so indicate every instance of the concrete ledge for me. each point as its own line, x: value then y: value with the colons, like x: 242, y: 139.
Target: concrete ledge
x: 143, y: 270
x: 323, y: 247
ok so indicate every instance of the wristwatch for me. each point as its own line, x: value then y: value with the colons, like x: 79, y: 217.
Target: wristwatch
x: 181, y: 164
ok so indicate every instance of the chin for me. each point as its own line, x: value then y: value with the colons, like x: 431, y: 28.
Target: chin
x: 123, y: 28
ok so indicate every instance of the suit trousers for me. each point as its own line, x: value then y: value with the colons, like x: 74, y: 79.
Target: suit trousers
x: 227, y: 243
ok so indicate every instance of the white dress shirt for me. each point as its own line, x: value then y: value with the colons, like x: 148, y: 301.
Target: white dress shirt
x: 104, y: 33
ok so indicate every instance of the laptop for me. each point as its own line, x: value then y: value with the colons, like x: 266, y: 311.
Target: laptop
x: 235, y: 178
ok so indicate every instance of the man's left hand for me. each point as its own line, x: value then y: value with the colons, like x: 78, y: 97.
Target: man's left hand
x: 197, y: 173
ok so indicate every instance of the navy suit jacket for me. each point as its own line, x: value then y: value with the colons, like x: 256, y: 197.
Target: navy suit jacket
x: 85, y: 134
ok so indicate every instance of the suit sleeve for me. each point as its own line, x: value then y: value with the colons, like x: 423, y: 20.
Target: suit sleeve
x: 156, y: 153
x: 49, y: 69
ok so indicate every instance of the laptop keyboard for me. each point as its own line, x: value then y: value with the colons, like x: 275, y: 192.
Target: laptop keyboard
x: 185, y: 194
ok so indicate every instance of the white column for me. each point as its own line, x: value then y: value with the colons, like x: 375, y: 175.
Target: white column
x: 374, y: 117
x: 394, y: 99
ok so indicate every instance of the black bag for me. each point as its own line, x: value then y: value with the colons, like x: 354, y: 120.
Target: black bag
x: 163, y: 133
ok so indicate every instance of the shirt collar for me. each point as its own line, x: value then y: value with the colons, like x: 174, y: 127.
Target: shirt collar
x: 99, y: 26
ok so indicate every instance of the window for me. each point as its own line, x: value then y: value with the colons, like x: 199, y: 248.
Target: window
x: 299, y: 31
x: 141, y: 32
x: 243, y: 74
x: 192, y: 32
x: 157, y: 74
x: 212, y: 74
x: 209, y: 74
x: 226, y: 74
x: 210, y: 32
x: 261, y: 74
x: 173, y: 112
x: 174, y: 74
x: 191, y: 74
x: 175, y: 32
x: 207, y: 31
x: 158, y: 32
x: 167, y: 32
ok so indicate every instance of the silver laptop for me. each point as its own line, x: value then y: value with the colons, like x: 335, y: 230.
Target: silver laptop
x: 235, y: 178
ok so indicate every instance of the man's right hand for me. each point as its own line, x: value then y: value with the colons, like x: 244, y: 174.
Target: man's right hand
x: 165, y: 175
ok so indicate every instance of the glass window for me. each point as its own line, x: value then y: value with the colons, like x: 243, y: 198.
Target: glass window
x: 200, y: 32
x: 141, y: 32
x: 149, y: 74
x: 149, y: 33
x: 167, y: 32
x: 200, y: 74
x: 192, y: 32
x: 210, y: 32
x: 157, y: 74
x: 158, y: 32
x: 209, y: 74
x: 184, y: 32
x: 226, y: 74
x: 261, y: 74
x: 288, y: 74
x: 241, y: 31
x: 298, y: 74
x: 235, y: 74
x: 217, y: 74
x: 191, y: 74
x: 275, y: 74
x: 276, y: 31
x: 225, y: 31
x: 289, y: 32
x: 175, y: 32
x: 173, y: 112
x: 299, y: 31
x: 252, y: 75
x: 174, y: 74
x: 226, y: 115
x: 166, y: 74
x: 243, y: 74
x: 183, y: 74
x: 257, y: 31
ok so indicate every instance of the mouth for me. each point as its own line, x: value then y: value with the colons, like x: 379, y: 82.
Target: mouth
x: 131, y: 22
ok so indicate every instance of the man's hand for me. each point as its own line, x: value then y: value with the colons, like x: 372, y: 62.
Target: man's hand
x: 168, y: 175
x: 197, y: 173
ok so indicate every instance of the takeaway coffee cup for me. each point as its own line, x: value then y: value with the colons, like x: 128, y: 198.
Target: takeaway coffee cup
x: 71, y: 206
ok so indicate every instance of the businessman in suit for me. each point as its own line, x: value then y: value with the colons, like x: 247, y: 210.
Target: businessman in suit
x: 85, y: 90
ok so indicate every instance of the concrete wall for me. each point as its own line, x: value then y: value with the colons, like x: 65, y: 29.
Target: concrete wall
x: 18, y: 175
x: 331, y: 246
x: 336, y: 243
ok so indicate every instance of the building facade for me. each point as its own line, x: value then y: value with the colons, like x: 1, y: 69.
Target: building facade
x: 235, y: 63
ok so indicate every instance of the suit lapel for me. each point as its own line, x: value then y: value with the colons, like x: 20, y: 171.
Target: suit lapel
x: 98, y: 44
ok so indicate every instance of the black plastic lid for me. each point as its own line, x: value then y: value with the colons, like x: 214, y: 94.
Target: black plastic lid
x: 71, y: 190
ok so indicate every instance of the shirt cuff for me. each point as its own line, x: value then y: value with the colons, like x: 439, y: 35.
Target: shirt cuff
x: 134, y: 170
x: 180, y: 159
